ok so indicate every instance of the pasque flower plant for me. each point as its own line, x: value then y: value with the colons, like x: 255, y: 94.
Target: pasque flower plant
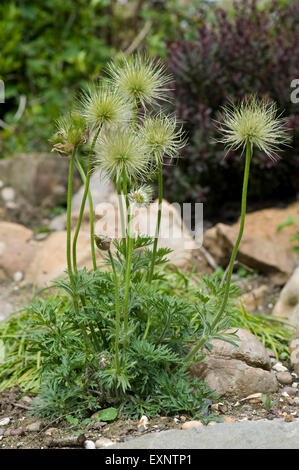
x: 251, y: 123
x: 125, y: 319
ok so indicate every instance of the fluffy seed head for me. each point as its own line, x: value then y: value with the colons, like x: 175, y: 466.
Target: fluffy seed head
x: 122, y: 152
x: 71, y: 131
x: 141, y: 196
x: 102, y: 104
x: 254, y: 121
x: 140, y: 79
x: 162, y: 136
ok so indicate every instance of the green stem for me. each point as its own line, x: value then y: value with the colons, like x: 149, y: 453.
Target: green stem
x: 86, y: 189
x: 117, y: 311
x: 160, y: 183
x: 128, y: 266
x: 233, y: 255
x: 121, y: 209
x: 68, y: 218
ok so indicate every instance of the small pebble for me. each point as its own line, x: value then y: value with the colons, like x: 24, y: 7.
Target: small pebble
x: 16, y: 432
x: 102, y: 443
x: 191, y: 424
x: 18, y: 276
x: 295, y: 384
x: 2, y: 432
x: 289, y: 390
x: 8, y: 194
x: 279, y: 367
x: 41, y: 236
x: 270, y: 417
x: 284, y: 378
x: 142, y: 424
x: 229, y: 420
x: 4, y: 421
x: 34, y: 427
x: 89, y: 445
x: 288, y: 418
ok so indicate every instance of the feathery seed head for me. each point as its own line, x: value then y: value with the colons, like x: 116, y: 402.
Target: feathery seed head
x: 140, y: 79
x: 122, y: 152
x: 71, y: 131
x: 254, y: 121
x: 141, y: 196
x: 162, y: 136
x: 103, y: 105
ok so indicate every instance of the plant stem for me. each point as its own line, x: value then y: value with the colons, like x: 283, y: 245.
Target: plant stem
x: 160, y: 183
x: 68, y: 218
x: 233, y: 255
x: 117, y: 311
x: 121, y: 209
x: 128, y: 267
x: 86, y: 188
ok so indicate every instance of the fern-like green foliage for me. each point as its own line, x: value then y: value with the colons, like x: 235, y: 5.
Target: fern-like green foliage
x: 69, y: 358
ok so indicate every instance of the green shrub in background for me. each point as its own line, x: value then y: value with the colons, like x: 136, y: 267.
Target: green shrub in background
x: 48, y: 49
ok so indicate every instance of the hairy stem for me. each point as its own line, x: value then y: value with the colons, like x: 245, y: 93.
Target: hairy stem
x: 117, y: 320
x: 68, y: 218
x: 130, y: 240
x: 86, y: 189
x: 233, y: 255
x: 160, y: 183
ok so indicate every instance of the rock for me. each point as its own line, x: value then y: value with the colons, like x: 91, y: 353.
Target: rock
x: 102, y: 190
x: 2, y: 431
x: 287, y: 305
x: 294, y: 350
x: 58, y: 223
x: 279, y: 367
x: 16, y: 250
x: 16, y: 432
x: 252, y: 300
x: 291, y: 391
x: 4, y: 421
x: 249, y: 350
x: 103, y: 443
x: 284, y: 378
x: 89, y: 444
x: 238, y: 370
x: 173, y: 233
x: 8, y: 194
x: 191, y: 424
x: 263, y: 224
x: 18, y: 276
x: 229, y: 420
x: 41, y: 178
x: 34, y: 427
x: 257, y: 253
x: 45, y: 267
x: 6, y: 308
x: 142, y: 424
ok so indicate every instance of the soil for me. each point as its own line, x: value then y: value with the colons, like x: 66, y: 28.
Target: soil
x: 14, y: 435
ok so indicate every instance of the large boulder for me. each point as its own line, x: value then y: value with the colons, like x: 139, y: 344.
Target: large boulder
x: 287, y: 305
x: 173, y: 233
x: 238, y: 371
x: 16, y: 248
x: 255, y: 252
x: 50, y: 261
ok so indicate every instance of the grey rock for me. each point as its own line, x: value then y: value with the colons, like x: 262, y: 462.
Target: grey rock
x: 262, y: 434
x: 241, y: 370
x: 34, y: 427
x: 284, y: 378
x: 89, y: 444
x: 103, y: 443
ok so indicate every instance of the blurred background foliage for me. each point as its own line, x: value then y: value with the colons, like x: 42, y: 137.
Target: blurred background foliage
x: 216, y: 50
